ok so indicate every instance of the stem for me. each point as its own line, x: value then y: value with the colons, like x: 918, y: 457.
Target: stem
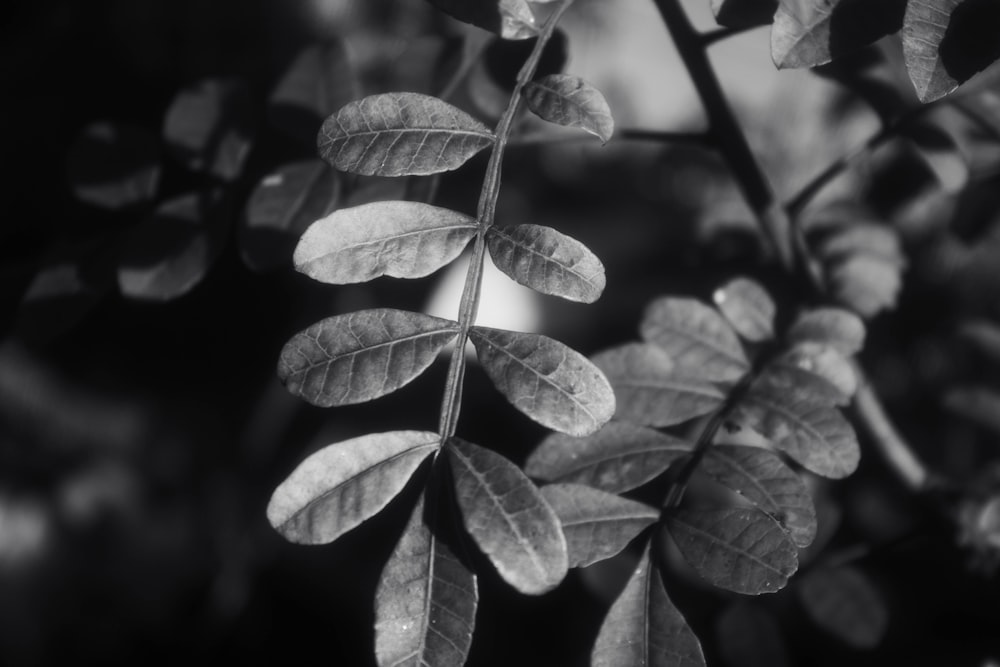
x: 485, y: 212
x: 628, y: 134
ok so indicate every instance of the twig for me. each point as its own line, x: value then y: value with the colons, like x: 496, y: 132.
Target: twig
x: 628, y: 134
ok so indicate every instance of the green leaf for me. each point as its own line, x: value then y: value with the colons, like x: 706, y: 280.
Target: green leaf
x: 844, y: 603
x: 568, y: 100
x: 834, y: 327
x: 281, y: 207
x: 546, y: 380
x: 617, y: 458
x: 762, y: 477
x: 696, y: 338
x: 359, y: 356
x: 650, y: 391
x: 114, y: 166
x: 744, y: 13
x: 740, y: 549
x: 597, y: 525
x: 546, y: 261
x: 400, y: 239
x: 814, y: 434
x: 344, y: 484
x: 643, y: 627
x: 508, y: 518
x: 748, y: 307
x: 511, y: 19
x: 401, y: 134
x: 748, y: 635
x: 425, y: 604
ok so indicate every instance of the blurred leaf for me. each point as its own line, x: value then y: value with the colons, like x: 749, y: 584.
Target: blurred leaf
x: 319, y: 81
x: 643, y: 627
x: 834, y: 327
x: 813, y: 369
x: 744, y: 13
x: 401, y: 134
x: 748, y: 636
x: 980, y: 405
x: 762, y: 477
x: 360, y: 356
x: 617, y: 458
x: 940, y: 152
x: 546, y: 261
x: 113, y: 166
x: 209, y: 127
x: 341, y: 485
x: 508, y: 518
x: 867, y: 284
x: 511, y: 19
x: 740, y: 549
x: 281, y: 207
x: 390, y: 238
x: 546, y: 380
x: 568, y: 100
x: 425, y: 604
x: 597, y: 525
x: 748, y: 307
x: 649, y: 390
x: 696, y: 338
x: 984, y: 335
x: 845, y: 604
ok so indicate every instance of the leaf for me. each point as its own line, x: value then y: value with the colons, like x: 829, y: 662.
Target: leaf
x: 546, y: 261
x: 389, y: 238
x: 359, y: 356
x: 748, y: 636
x: 834, y: 327
x: 696, y: 338
x: 281, y: 207
x: 209, y: 127
x: 508, y: 518
x: 113, y: 165
x: 844, y: 603
x: 643, y: 627
x: 748, y: 307
x: 401, y: 134
x: 867, y: 284
x: 546, y: 380
x: 744, y: 13
x: 568, y: 100
x: 344, y: 484
x: 762, y: 478
x: 814, y: 370
x: 648, y: 389
x: 983, y: 335
x: 807, y: 33
x: 814, y: 434
x: 511, y: 19
x: 740, y: 549
x: 980, y: 405
x: 425, y: 604
x: 597, y: 524
x: 319, y: 81
x: 617, y: 458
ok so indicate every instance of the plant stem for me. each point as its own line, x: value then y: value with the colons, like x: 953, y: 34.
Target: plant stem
x: 627, y: 134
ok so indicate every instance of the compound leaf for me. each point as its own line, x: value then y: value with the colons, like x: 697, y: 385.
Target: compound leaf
x: 546, y: 380
x: 400, y: 239
x: 341, y: 485
x: 744, y: 13
x: 844, y: 603
x: 114, y: 166
x: 748, y: 307
x: 511, y: 19
x: 359, y: 356
x: 568, y: 100
x: 741, y: 549
x: 508, y: 518
x: 597, y: 524
x: 401, y: 134
x: 547, y: 261
x: 834, y: 327
x: 617, y: 458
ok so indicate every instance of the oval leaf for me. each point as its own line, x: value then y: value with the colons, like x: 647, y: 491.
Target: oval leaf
x: 844, y: 603
x: 740, y: 549
x: 400, y: 239
x: 401, y: 134
x: 834, y: 327
x: 338, y: 487
x: 546, y: 261
x: 597, y: 525
x: 508, y: 518
x: 546, y: 380
x: 356, y: 357
x: 748, y: 307
x: 511, y: 19
x: 568, y: 100
x: 617, y: 458
x: 114, y: 166
x: 815, y: 370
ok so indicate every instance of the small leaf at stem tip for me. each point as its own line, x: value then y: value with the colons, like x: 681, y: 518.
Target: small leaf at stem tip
x: 400, y: 239
x: 835, y: 327
x: 617, y: 458
x: 359, y: 356
x: 568, y: 100
x: 597, y: 525
x: 511, y: 19
x: 748, y: 307
x: 740, y: 549
x: 546, y: 380
x: 401, y: 134
x: 547, y: 261
x: 508, y: 518
x: 845, y: 604
x: 346, y: 483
